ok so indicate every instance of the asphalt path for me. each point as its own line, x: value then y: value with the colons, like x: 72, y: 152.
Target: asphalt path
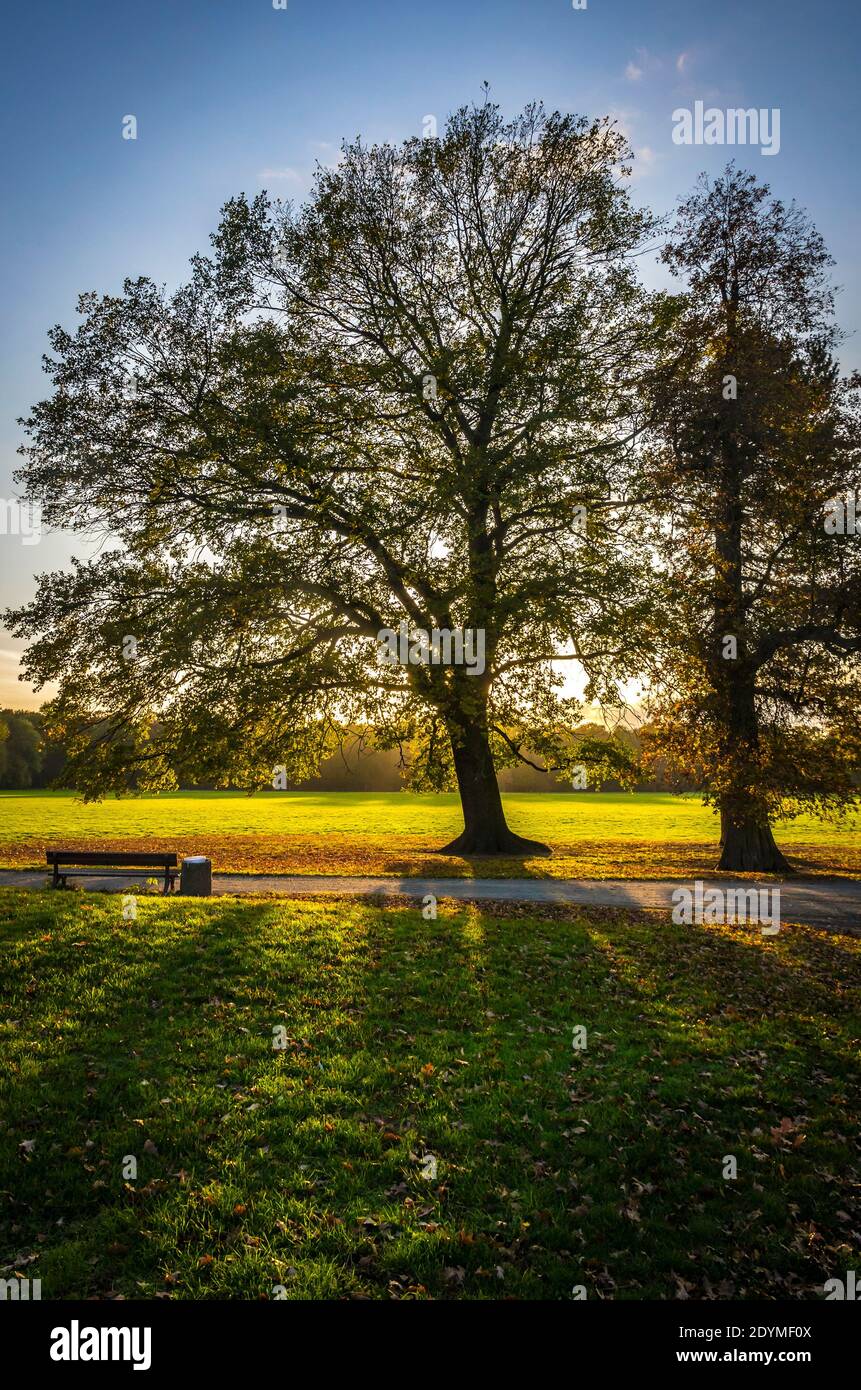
x: 820, y: 902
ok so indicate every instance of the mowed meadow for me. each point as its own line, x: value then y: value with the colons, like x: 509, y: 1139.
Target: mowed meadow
x: 593, y: 835
x: 560, y: 1158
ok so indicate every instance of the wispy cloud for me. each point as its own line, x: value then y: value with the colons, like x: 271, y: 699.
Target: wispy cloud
x: 291, y: 175
x: 644, y: 157
x: 623, y: 122
x: 643, y: 64
x: 324, y: 152
x: 644, y: 161
x: 646, y: 64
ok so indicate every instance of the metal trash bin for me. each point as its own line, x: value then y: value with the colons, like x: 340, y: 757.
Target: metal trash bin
x: 196, y: 881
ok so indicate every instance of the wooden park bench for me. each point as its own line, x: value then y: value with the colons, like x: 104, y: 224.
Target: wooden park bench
x: 89, y: 864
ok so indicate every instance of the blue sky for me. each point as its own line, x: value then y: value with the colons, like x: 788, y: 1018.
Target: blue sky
x: 233, y: 95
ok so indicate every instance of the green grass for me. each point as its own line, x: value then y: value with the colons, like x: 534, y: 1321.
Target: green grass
x: 593, y: 835
x: 659, y: 816
x: 302, y: 1168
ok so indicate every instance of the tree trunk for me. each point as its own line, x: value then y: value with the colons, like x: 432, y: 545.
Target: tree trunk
x: 746, y: 842
x: 485, y: 830
x: 748, y: 846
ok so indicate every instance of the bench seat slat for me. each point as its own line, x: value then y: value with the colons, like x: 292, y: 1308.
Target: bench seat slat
x: 96, y: 872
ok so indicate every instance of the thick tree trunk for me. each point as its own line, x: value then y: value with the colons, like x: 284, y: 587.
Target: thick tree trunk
x: 485, y: 830
x: 748, y: 846
x: 746, y: 842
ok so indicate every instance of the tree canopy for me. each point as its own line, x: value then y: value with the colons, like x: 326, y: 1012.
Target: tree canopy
x: 414, y: 399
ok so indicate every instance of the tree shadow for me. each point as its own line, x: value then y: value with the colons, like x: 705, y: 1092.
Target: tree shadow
x: 105, y: 1036
x: 411, y: 1037
x: 431, y: 863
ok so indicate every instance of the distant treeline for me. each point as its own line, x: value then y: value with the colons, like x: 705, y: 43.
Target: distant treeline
x: 29, y: 761
x: 26, y: 758
x: 360, y: 768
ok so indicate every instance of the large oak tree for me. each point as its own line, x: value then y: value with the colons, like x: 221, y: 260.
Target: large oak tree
x: 412, y: 400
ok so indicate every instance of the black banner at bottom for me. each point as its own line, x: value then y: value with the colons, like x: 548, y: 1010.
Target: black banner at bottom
x: 155, y: 1338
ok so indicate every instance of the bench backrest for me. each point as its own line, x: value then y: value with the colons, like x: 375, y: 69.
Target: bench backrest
x: 130, y: 860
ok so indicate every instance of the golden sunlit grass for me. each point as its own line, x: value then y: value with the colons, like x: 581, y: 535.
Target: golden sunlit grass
x: 592, y: 834
x: 413, y: 856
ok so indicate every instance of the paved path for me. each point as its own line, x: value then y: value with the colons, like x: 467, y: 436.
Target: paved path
x: 833, y: 903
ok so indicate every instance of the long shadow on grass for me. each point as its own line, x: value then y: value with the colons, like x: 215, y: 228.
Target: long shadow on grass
x: 713, y: 1044
x: 427, y: 863
x: 155, y: 1039
x: 405, y: 1041
x: 605, y: 1166
x: 122, y: 1020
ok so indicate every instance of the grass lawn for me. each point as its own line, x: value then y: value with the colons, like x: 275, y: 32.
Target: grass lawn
x: 593, y: 835
x: 304, y: 1167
